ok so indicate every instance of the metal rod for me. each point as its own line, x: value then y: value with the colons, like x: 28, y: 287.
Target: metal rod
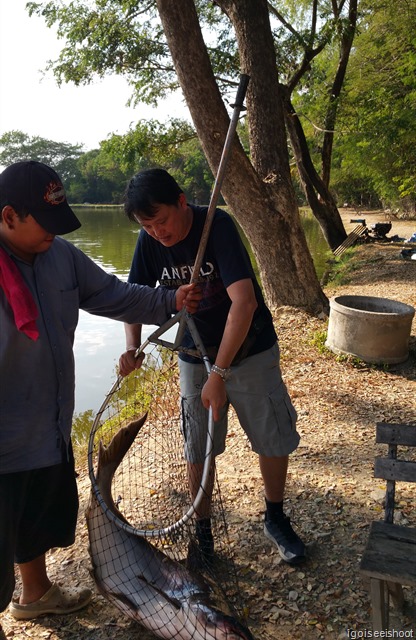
x: 238, y: 106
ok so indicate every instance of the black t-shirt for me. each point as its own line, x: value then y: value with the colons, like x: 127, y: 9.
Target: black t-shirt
x: 225, y: 261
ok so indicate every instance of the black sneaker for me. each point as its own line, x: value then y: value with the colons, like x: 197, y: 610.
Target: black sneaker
x: 200, y: 556
x: 201, y: 548
x: 288, y: 543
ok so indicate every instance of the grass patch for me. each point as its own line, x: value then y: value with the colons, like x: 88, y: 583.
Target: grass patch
x: 135, y: 395
x: 340, y: 269
x: 318, y: 341
x: 357, y: 363
x: 81, y: 428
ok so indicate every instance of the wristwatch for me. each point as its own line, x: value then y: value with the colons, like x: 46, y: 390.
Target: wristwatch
x: 223, y: 373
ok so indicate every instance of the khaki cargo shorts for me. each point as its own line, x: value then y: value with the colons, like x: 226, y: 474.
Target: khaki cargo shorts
x: 259, y: 396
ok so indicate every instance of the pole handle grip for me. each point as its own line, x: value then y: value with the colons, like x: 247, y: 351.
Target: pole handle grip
x: 241, y: 91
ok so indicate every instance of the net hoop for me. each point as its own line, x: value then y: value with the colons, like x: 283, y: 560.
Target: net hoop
x: 154, y: 338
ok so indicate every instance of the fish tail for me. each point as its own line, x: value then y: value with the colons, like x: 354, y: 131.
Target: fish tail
x: 111, y: 456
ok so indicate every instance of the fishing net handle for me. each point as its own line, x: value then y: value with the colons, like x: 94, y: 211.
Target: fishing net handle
x: 154, y: 338
x: 238, y: 106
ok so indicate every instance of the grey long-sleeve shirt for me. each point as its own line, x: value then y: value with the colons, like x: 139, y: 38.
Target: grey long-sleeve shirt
x: 37, y: 378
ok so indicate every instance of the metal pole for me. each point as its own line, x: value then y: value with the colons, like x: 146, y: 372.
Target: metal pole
x: 238, y: 106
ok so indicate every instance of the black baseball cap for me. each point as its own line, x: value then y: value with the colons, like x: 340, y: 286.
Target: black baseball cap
x: 35, y: 188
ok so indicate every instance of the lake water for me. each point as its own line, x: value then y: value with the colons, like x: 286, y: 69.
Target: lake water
x: 109, y: 238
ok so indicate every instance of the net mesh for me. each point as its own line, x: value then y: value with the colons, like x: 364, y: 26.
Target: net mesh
x: 160, y: 575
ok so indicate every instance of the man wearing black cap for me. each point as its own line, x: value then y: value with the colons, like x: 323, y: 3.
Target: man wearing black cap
x: 44, y: 281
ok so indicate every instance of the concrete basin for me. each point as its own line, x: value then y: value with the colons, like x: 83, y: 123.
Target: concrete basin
x: 377, y: 330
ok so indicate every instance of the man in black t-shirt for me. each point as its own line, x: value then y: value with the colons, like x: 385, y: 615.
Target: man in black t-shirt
x: 237, y: 330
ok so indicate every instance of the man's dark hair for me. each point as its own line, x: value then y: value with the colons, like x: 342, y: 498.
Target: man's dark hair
x: 148, y: 189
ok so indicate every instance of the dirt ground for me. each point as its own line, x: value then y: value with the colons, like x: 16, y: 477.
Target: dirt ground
x: 331, y: 494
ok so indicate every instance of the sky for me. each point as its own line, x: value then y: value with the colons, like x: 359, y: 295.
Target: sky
x: 35, y: 105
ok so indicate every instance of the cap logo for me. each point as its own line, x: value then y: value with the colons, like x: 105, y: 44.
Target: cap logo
x: 55, y: 193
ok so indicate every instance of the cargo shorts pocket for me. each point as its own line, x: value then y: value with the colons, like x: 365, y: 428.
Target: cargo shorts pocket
x: 194, y: 425
x: 286, y: 418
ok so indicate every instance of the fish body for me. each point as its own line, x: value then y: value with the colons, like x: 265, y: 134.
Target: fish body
x: 139, y: 579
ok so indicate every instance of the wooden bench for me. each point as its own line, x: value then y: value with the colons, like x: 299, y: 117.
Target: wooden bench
x: 389, y: 559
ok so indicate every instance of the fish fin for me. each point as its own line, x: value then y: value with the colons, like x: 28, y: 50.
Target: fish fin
x: 122, y: 597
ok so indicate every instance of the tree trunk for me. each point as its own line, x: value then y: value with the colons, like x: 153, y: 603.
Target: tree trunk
x: 335, y: 92
x: 320, y: 199
x: 316, y: 187
x: 259, y: 193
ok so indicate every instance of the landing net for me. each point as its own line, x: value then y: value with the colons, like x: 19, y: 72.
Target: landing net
x: 150, y: 489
